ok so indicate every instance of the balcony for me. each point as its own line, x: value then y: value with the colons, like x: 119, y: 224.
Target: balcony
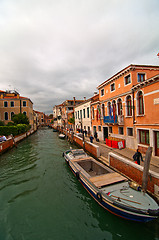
x: 120, y: 119
x: 114, y: 119
x: 110, y: 119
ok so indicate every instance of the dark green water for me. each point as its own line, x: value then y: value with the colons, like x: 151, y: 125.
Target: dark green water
x: 40, y: 199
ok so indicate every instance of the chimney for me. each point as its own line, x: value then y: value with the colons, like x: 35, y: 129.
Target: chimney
x: 84, y: 98
x: 74, y: 101
x: 95, y: 93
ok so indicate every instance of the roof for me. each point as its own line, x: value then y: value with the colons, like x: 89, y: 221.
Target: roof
x: 15, y: 97
x: 126, y: 69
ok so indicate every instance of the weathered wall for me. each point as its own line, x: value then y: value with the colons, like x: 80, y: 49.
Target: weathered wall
x: 135, y: 172
x: 89, y: 147
x: 4, y: 146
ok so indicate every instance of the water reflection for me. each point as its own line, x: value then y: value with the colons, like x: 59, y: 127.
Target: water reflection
x: 42, y: 199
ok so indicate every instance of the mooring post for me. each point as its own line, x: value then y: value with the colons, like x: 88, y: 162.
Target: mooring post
x: 146, y: 169
x: 14, y: 141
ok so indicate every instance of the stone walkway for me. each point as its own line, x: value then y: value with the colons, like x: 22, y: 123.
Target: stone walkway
x: 126, y: 152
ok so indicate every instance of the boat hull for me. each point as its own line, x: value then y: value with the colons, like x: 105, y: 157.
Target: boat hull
x: 106, y: 204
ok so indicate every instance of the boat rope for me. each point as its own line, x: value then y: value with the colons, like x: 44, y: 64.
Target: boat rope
x: 125, y: 199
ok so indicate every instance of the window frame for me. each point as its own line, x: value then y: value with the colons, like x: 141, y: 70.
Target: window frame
x: 84, y: 113
x: 141, y: 74
x: 5, y: 103
x: 24, y: 103
x: 119, y: 107
x: 102, y: 92
x: 119, y: 130
x: 140, y: 102
x: 128, y: 130
x: 88, y: 113
x: 12, y: 102
x: 144, y: 132
x: 128, y: 106
x: 5, y: 116
x: 92, y: 112
x: 128, y: 77
x: 103, y: 110
x: 112, y: 87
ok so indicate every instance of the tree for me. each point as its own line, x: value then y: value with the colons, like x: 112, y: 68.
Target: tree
x: 1, y: 123
x: 20, y: 119
x: 71, y: 120
x: 51, y: 116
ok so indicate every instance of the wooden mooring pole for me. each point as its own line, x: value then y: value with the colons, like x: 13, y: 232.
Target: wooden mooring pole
x: 146, y: 169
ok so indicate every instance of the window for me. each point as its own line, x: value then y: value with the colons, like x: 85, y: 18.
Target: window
x: 121, y: 130
x: 76, y: 115
x: 144, y: 137
x: 119, y: 104
x: 129, y: 106
x: 127, y: 79
x: 112, y: 87
x: 109, y: 111
x: 102, y: 92
x: 88, y: 112
x: 84, y: 113
x: 141, y: 77
x: 5, y: 104
x: 5, y: 116
x: 110, y: 130
x: 103, y: 110
x: 114, y: 107
x: 12, y: 103
x: 12, y: 114
x: 24, y: 103
x: 24, y: 113
x: 140, y: 103
x: 93, y: 112
x: 99, y: 128
x: 130, y: 131
x: 80, y: 114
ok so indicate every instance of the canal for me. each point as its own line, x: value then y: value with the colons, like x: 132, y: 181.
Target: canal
x: 40, y: 198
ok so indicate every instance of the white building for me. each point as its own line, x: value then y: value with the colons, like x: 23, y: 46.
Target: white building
x: 83, y: 116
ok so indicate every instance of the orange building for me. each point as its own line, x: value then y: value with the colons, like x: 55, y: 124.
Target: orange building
x: 129, y: 107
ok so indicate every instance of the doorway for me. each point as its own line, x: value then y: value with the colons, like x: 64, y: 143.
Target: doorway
x: 105, y: 133
x: 157, y: 143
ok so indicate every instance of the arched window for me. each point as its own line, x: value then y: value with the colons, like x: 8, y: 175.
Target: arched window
x: 129, y: 106
x: 114, y: 107
x: 109, y: 109
x: 93, y: 112
x: 12, y: 114
x: 119, y: 104
x: 103, y: 110
x: 5, y: 116
x: 24, y: 113
x: 140, y: 102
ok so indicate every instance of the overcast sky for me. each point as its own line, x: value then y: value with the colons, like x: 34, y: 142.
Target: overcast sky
x: 53, y: 50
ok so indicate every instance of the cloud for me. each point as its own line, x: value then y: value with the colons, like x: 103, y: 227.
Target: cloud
x: 54, y: 50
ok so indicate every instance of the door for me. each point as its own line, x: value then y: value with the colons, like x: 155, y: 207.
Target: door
x: 105, y: 132
x: 157, y: 143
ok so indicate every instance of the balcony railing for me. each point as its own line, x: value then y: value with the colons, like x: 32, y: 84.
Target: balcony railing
x: 114, y: 119
x: 110, y: 119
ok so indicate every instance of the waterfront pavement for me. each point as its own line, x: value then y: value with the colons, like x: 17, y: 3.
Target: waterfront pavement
x: 125, y: 152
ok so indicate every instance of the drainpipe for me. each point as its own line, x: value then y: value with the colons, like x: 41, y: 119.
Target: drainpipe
x: 20, y: 106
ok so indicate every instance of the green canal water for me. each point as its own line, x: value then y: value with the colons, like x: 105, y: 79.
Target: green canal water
x: 40, y: 198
